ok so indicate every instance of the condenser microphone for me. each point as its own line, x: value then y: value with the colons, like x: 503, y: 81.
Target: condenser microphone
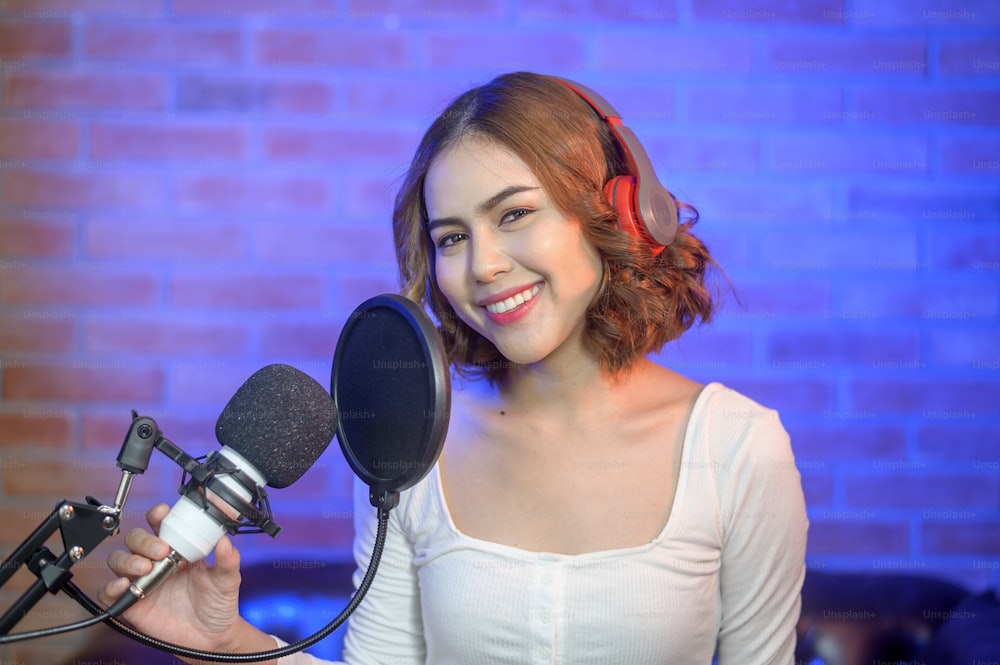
x: 272, y: 431
x: 391, y: 406
x: 391, y: 389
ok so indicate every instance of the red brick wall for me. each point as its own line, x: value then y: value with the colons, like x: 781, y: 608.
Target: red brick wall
x: 192, y: 189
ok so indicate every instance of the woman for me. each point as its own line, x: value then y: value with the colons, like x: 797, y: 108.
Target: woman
x: 590, y: 506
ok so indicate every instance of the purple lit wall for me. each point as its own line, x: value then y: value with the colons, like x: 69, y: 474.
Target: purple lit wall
x: 192, y: 189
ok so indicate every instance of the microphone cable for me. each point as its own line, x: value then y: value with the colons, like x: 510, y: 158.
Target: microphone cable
x: 102, y: 615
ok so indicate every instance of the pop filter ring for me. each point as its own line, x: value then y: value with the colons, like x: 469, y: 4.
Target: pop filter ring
x: 356, y: 425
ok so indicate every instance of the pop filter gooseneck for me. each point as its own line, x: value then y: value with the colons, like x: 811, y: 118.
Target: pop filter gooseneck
x: 392, y: 393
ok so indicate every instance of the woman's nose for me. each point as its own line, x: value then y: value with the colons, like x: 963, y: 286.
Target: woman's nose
x: 488, y: 258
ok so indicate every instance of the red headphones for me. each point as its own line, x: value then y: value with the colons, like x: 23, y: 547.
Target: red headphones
x: 645, y: 207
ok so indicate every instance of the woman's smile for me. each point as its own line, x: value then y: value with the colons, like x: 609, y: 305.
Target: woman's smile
x: 507, y: 309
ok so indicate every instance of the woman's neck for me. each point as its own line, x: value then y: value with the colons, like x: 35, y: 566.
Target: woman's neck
x: 565, y: 389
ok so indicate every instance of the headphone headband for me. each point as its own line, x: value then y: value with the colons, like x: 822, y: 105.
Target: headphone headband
x: 652, y: 207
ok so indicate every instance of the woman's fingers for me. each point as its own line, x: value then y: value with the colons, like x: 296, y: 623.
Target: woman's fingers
x: 143, y: 548
x: 227, y: 561
x: 142, y: 542
x: 155, y: 515
x: 111, y: 591
x: 128, y: 565
x: 125, y: 564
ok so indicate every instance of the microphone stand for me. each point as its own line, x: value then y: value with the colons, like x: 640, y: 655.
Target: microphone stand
x: 83, y: 527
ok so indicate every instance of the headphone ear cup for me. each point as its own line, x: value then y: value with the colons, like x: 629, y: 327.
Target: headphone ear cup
x: 620, y: 191
x: 621, y: 194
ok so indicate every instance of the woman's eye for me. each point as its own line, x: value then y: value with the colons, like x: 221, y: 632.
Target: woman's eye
x: 449, y: 239
x: 514, y: 215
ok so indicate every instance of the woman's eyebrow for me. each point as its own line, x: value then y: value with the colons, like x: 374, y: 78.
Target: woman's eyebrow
x: 485, y: 206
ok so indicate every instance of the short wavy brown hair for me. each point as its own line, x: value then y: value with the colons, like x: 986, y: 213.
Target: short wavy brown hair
x: 644, y: 301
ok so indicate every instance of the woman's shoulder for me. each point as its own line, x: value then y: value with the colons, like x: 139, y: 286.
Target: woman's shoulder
x: 722, y: 401
x: 713, y: 403
x: 740, y: 448
x: 732, y: 424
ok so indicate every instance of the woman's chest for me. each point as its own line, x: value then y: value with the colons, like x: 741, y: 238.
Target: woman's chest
x: 566, y: 491
x: 645, y: 606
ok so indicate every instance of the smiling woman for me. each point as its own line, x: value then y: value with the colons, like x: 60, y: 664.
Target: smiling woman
x: 589, y: 506
x: 646, y: 298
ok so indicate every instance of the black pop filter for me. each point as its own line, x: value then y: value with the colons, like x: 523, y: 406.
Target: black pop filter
x: 391, y: 389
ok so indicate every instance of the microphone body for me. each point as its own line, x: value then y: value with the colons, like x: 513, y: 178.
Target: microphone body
x: 189, y: 528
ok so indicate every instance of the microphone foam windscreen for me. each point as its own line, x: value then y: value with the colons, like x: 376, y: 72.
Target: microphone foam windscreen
x: 281, y: 420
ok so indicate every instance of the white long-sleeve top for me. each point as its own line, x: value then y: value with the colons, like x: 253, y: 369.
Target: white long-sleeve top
x: 722, y: 578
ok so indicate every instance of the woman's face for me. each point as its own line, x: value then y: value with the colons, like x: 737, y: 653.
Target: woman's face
x: 512, y: 266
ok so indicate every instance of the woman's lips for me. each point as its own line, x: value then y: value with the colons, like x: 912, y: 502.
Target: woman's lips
x: 513, y: 307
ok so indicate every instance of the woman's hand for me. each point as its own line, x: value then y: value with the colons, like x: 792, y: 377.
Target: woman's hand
x: 196, y: 607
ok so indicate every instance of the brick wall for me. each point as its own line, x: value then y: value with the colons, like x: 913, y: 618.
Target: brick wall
x: 190, y: 190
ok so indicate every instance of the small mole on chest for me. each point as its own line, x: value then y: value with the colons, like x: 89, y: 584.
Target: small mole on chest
x: 503, y: 413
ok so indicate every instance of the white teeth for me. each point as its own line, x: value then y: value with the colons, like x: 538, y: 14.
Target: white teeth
x: 514, y: 301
